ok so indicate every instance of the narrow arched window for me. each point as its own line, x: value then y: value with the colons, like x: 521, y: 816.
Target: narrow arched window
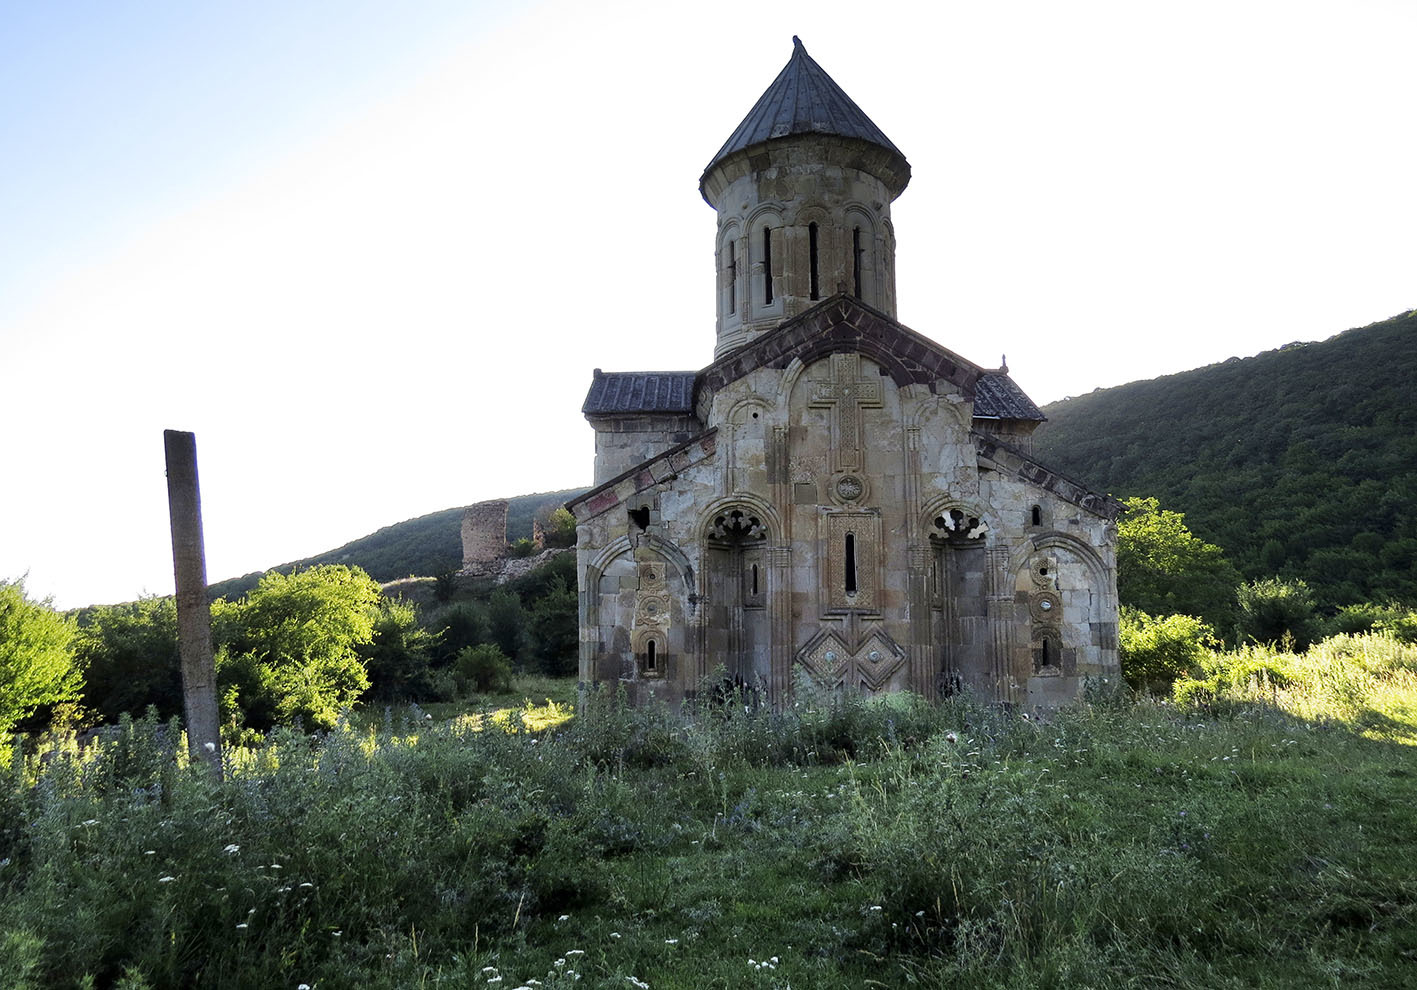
x: 1037, y: 515
x: 812, y: 258
x: 732, y: 278
x: 767, y: 266
x: 856, y: 262
x: 755, y: 580
x: 1047, y: 656
x: 650, y: 659
x: 851, y: 563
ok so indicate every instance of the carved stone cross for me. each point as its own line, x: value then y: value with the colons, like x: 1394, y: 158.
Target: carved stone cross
x: 848, y: 393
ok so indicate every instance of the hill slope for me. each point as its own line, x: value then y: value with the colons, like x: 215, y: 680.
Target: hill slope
x: 1300, y: 461
x: 426, y: 545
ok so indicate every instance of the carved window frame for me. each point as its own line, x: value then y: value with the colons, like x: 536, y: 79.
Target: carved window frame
x: 865, y: 528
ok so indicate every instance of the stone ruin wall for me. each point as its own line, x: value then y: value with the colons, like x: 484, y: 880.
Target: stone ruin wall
x: 484, y: 536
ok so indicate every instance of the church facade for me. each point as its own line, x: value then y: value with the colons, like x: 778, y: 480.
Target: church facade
x: 835, y: 497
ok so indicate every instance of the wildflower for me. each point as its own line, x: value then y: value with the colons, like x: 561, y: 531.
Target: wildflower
x: 211, y: 748
x: 275, y: 866
x: 232, y: 849
x: 671, y: 941
x: 166, y: 879
x: 638, y: 983
x: 614, y: 934
x: 951, y: 738
x: 303, y: 885
x: 564, y: 917
x: 149, y: 852
x: 242, y: 925
x: 91, y: 821
x: 875, y: 907
x: 303, y: 986
x: 495, y: 979
x: 336, y: 934
x: 576, y: 952
x: 489, y: 969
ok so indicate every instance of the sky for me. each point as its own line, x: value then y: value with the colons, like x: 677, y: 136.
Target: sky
x: 370, y: 253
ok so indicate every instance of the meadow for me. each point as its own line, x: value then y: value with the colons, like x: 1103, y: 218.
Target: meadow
x: 1256, y: 832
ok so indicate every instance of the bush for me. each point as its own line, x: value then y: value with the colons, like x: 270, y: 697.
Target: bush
x: 483, y: 668
x: 399, y: 658
x: 291, y: 648
x: 131, y: 659
x: 1155, y: 651
x: 36, y: 663
x: 1277, y: 611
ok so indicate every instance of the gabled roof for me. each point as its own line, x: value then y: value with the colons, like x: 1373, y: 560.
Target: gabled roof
x: 803, y: 99
x: 628, y: 392
x: 842, y: 322
x: 997, y: 397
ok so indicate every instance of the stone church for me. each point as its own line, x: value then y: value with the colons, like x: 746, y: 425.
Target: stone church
x: 836, y: 496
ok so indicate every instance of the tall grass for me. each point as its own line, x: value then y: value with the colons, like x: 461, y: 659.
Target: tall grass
x: 837, y: 842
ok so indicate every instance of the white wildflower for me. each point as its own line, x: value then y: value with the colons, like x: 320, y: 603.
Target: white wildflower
x: 489, y: 969
x: 875, y: 907
x: 614, y: 934
x: 575, y: 952
x: 231, y: 849
x: 149, y: 852
x: 242, y: 925
x: 671, y: 941
x: 211, y: 748
x: 167, y: 879
x: 91, y: 821
x: 303, y: 986
x: 303, y: 885
x: 564, y: 917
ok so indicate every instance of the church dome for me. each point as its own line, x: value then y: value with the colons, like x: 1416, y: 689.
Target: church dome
x: 802, y: 189
x: 803, y: 99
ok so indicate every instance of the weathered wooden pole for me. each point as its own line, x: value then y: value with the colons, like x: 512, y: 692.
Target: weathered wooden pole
x: 194, y: 614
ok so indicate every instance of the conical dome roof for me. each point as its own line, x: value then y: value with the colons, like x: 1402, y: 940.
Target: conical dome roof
x: 803, y: 99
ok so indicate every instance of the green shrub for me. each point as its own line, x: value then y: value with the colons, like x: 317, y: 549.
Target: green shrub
x: 399, y: 657
x: 1277, y: 611
x: 483, y: 668
x: 36, y: 657
x: 1155, y: 651
x: 131, y: 659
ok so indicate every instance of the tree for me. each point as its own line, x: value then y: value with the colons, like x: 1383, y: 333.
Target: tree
x: 399, y: 657
x: 1163, y: 569
x: 130, y: 658
x: 292, y: 645
x: 1273, y: 610
x: 36, y: 663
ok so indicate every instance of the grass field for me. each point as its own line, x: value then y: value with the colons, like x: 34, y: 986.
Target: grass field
x: 1228, y: 843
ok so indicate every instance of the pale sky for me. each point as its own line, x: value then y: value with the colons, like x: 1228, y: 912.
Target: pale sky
x: 370, y: 252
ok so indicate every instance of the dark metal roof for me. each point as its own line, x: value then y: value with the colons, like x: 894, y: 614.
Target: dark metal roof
x: 621, y: 393
x: 803, y: 99
x: 997, y: 397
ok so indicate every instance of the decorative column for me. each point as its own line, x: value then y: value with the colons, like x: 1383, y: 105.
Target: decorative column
x: 779, y: 559
x: 1001, y: 624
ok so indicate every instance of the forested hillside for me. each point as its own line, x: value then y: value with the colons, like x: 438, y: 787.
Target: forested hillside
x: 424, y: 546
x: 1300, y: 462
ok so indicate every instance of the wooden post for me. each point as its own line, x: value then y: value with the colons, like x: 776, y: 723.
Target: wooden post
x: 194, y: 616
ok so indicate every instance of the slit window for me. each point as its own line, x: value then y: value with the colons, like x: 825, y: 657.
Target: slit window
x: 755, y: 580
x: 812, y: 258
x: 732, y: 267
x: 1047, y: 655
x: 650, y: 659
x: 1037, y: 515
x: 767, y: 266
x: 851, y: 563
x: 856, y: 262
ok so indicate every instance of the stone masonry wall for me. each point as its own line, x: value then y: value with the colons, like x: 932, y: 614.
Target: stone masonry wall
x: 484, y: 536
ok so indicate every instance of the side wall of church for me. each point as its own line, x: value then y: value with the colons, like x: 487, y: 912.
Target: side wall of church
x: 622, y: 442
